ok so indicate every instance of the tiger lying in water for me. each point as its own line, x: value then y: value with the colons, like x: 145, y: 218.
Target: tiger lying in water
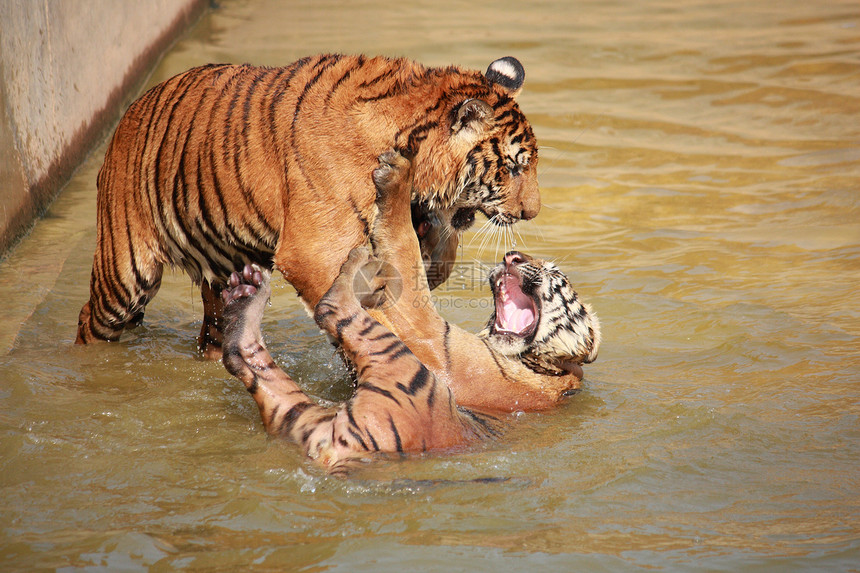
x: 399, y: 405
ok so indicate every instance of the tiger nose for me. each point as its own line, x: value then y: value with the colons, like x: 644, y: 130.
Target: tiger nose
x: 530, y: 207
x: 515, y: 258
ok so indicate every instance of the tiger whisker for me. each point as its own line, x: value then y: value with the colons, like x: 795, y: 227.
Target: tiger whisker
x: 489, y: 230
x: 479, y: 232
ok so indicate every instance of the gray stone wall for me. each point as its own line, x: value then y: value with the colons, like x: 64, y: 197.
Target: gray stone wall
x: 68, y: 69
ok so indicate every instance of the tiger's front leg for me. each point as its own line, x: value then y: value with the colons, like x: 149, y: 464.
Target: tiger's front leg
x: 399, y: 405
x: 285, y: 409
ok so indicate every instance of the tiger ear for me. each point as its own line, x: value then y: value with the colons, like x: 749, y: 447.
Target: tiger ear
x: 507, y: 73
x: 474, y: 115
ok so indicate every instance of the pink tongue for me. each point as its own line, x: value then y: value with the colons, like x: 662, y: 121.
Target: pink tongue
x: 516, y: 313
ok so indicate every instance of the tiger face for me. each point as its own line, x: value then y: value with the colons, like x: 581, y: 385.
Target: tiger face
x: 484, y: 157
x: 538, y: 317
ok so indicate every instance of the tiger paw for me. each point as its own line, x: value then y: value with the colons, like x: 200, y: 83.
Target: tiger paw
x: 393, y: 174
x: 247, y: 292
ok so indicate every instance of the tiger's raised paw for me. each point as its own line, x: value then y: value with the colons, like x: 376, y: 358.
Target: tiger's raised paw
x: 394, y: 173
x: 249, y: 290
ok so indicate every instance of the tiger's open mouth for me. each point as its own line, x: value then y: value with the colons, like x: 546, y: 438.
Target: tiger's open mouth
x: 516, y: 312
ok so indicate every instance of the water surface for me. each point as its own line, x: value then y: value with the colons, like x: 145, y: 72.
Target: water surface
x: 700, y: 171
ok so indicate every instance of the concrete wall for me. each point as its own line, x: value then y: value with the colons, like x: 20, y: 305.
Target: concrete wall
x: 68, y: 69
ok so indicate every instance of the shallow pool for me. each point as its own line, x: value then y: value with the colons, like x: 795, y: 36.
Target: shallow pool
x: 700, y: 168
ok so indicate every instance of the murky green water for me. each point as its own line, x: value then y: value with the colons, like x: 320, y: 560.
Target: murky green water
x: 701, y: 179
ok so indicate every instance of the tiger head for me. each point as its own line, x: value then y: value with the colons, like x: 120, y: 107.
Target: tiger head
x: 538, y: 317
x: 480, y: 154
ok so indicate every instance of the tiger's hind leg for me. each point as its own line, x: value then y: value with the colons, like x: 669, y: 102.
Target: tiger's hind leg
x: 286, y: 411
x: 211, y: 337
x: 245, y: 356
x: 121, y: 285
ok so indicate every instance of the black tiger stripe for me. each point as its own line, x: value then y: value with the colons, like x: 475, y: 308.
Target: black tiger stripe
x: 418, y: 134
x: 261, y: 221
x: 372, y: 440
x: 371, y: 325
x: 105, y: 310
x: 496, y: 360
x: 306, y: 434
x: 501, y: 101
x: 234, y: 236
x: 419, y: 380
x: 497, y: 151
x: 140, y: 281
x: 155, y: 112
x: 382, y: 391
x: 500, y: 118
x: 383, y: 336
x: 230, y: 129
x: 341, y: 324
x: 426, y: 112
x: 356, y: 436
x: 390, y: 349
x: 356, y: 64
x: 392, y: 92
x: 205, y: 219
x: 273, y: 77
x: 486, y: 422
x: 323, y: 63
x: 323, y: 310
x: 431, y: 394
x: 376, y: 79
x: 280, y: 89
x: 349, y: 416
x: 180, y: 199
x: 118, y: 291
x: 446, y: 344
x: 361, y: 218
x: 397, y: 443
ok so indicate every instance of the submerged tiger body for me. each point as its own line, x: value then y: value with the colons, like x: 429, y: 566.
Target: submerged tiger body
x: 400, y: 405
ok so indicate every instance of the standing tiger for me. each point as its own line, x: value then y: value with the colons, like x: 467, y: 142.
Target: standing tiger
x: 225, y: 165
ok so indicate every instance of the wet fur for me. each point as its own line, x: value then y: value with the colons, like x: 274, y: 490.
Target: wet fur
x: 399, y: 405
x: 225, y: 165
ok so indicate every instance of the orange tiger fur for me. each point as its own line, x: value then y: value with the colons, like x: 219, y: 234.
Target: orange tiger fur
x: 479, y: 375
x: 399, y: 405
x: 225, y: 165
